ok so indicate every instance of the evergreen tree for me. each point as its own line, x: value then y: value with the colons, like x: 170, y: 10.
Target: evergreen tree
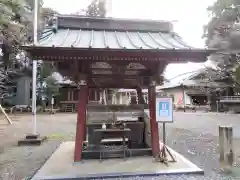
x: 16, y: 29
x: 222, y: 33
x: 97, y: 8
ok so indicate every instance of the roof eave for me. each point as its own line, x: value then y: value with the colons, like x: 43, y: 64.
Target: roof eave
x: 195, y: 50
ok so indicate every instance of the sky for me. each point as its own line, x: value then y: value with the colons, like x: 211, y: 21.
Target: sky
x: 188, y: 17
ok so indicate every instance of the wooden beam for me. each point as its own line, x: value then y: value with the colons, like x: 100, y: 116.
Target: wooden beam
x: 171, y: 55
x: 84, y: 67
x: 113, y: 76
x: 112, y: 86
x: 118, y: 71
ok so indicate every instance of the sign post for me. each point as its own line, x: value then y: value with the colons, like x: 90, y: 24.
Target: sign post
x: 52, y: 103
x: 164, y: 114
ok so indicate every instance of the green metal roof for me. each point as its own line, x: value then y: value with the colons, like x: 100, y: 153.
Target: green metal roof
x: 111, y: 39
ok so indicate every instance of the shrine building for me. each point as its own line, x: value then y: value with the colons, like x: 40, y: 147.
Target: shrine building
x: 98, y: 53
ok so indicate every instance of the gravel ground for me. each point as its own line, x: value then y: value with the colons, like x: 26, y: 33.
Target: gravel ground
x: 17, y: 163
x: 201, y: 149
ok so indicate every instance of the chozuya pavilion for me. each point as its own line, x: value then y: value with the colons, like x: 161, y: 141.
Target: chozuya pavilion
x: 114, y: 53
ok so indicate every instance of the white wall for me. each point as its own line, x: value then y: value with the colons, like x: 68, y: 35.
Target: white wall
x: 22, y: 96
x: 177, y: 94
x: 23, y: 91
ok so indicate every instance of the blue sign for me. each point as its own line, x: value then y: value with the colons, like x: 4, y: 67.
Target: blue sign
x: 164, y: 109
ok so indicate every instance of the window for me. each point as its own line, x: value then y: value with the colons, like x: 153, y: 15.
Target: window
x: 14, y: 91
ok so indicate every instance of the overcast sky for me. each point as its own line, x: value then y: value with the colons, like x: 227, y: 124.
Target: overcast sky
x: 189, y: 16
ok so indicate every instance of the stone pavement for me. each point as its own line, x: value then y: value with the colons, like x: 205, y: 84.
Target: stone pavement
x: 61, y: 165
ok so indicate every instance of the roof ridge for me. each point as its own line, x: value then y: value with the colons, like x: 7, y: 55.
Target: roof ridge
x: 111, y: 18
x: 85, y: 22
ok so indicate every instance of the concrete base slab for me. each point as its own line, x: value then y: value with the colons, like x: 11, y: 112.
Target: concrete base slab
x: 32, y: 136
x: 61, y: 166
x: 32, y: 140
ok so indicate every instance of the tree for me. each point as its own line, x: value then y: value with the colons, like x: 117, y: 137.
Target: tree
x: 224, y: 15
x: 45, y: 81
x: 12, y: 28
x: 16, y: 24
x: 16, y: 29
x: 96, y: 8
x: 44, y: 70
x: 46, y: 16
x: 14, y: 18
x: 222, y: 33
x: 5, y: 90
x: 51, y: 87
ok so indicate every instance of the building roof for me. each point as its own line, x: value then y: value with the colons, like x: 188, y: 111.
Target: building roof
x: 194, y: 83
x: 112, y: 39
x: 197, y: 79
x: 91, y: 38
x: 109, y: 33
x: 87, y: 22
x: 112, y: 52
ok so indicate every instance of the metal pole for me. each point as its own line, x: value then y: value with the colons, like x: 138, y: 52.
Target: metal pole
x: 35, y: 23
x: 164, y: 133
x: 52, y: 103
x: 34, y: 70
x: 183, y: 97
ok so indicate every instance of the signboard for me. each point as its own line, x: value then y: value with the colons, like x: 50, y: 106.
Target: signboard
x: 164, y: 109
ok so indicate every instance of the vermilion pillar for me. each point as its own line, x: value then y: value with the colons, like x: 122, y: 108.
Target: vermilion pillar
x: 153, y: 122
x: 81, y: 120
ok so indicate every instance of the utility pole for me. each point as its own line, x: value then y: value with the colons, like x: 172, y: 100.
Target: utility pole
x: 34, y: 138
x: 34, y: 69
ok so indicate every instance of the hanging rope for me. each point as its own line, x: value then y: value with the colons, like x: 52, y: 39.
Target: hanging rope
x: 137, y: 100
x: 129, y: 98
x: 145, y: 98
x: 101, y: 99
x: 114, y: 98
x: 104, y: 97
